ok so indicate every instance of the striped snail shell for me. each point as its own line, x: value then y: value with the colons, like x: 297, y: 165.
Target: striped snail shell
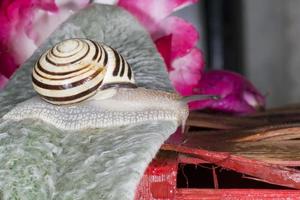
x: 75, y: 69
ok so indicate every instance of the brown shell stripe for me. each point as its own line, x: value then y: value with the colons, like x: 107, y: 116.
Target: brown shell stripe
x: 129, y: 73
x: 97, y: 50
x: 73, y: 97
x: 101, y: 52
x: 123, y: 66
x: 81, y: 69
x: 105, y: 56
x: 65, y: 86
x: 38, y: 65
x: 117, y: 63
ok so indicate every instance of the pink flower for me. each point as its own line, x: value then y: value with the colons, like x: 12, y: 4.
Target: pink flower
x: 175, y: 39
x: 25, y: 24
x: 151, y: 12
x: 3, y: 81
x: 187, y: 71
x: 16, y: 25
x: 237, y: 94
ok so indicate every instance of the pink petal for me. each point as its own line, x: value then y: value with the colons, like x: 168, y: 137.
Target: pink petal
x: 16, y: 17
x: 150, y: 12
x: 25, y: 24
x: 8, y: 64
x: 184, y: 35
x: 237, y: 94
x: 22, y: 47
x: 164, y: 45
x: 48, y: 5
x: 3, y: 81
x: 187, y: 72
x: 44, y: 23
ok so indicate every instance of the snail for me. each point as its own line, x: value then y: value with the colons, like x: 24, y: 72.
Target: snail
x: 86, y: 84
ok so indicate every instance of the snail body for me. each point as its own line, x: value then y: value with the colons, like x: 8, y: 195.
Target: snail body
x: 109, y: 108
x: 85, y: 84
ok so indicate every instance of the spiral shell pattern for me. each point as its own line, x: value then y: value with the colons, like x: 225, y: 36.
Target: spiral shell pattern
x: 73, y: 70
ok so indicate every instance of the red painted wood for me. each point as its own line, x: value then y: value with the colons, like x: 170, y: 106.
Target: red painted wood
x: 271, y: 173
x: 235, y: 194
x: 159, y: 180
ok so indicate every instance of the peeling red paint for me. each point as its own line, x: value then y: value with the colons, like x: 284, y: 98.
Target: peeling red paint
x: 159, y: 180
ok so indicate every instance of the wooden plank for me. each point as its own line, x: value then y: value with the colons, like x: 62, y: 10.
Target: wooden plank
x: 206, y: 120
x: 225, y: 121
x: 271, y: 138
x: 229, y: 194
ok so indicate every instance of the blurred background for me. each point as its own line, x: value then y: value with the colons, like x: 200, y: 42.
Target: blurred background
x: 258, y: 38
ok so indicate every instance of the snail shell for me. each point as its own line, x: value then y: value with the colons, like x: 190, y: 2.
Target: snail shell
x: 74, y: 69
